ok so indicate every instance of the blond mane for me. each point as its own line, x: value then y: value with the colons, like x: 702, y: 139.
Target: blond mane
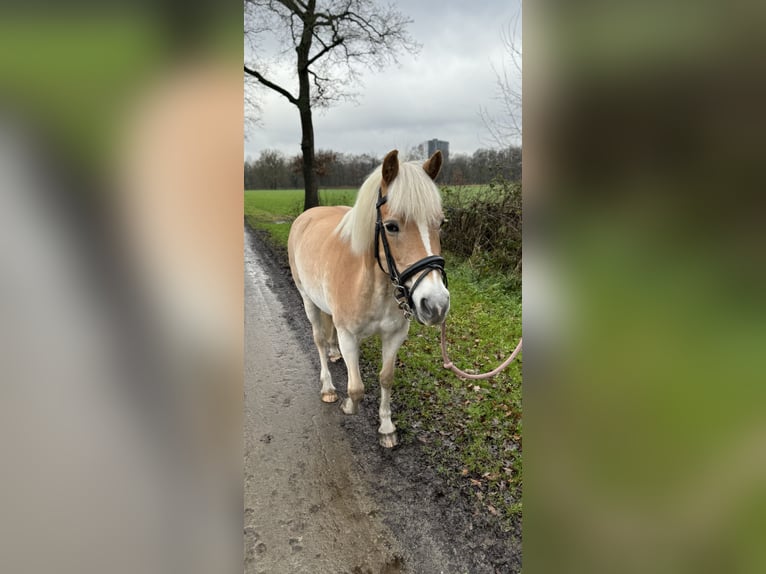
x: 412, y: 196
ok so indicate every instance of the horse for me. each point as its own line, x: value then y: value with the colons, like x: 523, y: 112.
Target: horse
x: 351, y: 293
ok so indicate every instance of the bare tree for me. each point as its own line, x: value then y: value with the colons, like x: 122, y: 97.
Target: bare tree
x: 505, y: 127
x: 326, y: 44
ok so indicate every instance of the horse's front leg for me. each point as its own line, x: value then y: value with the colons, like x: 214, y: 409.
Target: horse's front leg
x: 390, y: 344
x: 349, y: 347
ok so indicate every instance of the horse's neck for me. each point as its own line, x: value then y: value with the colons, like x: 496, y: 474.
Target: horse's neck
x: 379, y: 281
x: 373, y: 273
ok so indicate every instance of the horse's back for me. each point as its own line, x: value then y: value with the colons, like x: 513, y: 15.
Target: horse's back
x: 314, y: 226
x: 317, y: 216
x: 313, y: 242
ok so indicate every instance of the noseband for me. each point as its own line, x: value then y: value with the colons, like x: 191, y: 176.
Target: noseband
x: 402, y: 293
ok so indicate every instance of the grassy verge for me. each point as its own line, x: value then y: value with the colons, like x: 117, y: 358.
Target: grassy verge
x: 471, y: 429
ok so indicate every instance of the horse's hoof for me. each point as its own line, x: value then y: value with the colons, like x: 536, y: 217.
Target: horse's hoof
x: 349, y: 407
x: 389, y: 440
x: 335, y: 357
x: 330, y: 397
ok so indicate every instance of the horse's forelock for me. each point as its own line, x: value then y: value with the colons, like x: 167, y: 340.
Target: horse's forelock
x: 412, y: 196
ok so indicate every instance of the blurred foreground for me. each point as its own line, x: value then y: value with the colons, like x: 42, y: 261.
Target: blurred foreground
x: 121, y: 290
x: 644, y: 282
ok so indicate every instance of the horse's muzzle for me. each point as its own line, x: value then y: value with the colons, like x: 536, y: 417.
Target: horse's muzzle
x: 432, y: 307
x: 430, y: 313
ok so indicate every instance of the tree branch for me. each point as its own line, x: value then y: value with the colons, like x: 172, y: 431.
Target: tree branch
x: 269, y: 84
x: 293, y: 6
x: 327, y: 48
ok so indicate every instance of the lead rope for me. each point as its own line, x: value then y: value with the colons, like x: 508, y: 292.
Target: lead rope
x: 449, y: 365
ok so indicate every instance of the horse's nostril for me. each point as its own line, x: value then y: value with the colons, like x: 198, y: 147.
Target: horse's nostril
x: 424, y: 304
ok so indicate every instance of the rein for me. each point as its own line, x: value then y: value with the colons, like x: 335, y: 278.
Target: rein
x: 449, y: 365
x: 402, y: 293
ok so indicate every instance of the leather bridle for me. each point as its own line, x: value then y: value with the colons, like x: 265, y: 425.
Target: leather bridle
x: 402, y: 293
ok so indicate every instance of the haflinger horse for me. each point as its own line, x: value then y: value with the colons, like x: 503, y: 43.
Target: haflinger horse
x: 351, y: 292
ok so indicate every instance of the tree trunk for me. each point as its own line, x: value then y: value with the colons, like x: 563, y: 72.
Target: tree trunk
x: 311, y: 197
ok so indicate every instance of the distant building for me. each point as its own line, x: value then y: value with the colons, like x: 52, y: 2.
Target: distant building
x: 434, y: 144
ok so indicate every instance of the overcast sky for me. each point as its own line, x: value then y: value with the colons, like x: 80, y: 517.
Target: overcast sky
x: 437, y: 93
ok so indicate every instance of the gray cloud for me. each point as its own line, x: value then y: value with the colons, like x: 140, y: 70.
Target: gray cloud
x: 437, y: 93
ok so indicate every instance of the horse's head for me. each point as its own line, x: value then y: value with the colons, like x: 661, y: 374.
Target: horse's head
x: 410, y: 218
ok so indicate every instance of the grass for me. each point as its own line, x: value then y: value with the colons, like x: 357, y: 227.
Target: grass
x: 470, y: 429
x: 273, y: 210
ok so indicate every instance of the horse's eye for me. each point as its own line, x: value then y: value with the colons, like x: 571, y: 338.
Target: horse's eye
x: 392, y: 227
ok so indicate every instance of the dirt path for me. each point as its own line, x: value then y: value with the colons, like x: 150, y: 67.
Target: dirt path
x: 306, y: 509
x: 321, y: 496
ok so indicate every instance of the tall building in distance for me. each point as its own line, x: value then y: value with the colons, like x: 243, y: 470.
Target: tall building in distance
x: 434, y: 144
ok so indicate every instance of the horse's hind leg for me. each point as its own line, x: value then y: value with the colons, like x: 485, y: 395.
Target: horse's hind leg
x: 390, y: 346
x: 331, y: 338
x: 319, y: 326
x: 334, y: 352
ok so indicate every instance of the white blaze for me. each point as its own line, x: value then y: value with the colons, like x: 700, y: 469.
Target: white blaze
x: 426, y: 237
x: 432, y: 287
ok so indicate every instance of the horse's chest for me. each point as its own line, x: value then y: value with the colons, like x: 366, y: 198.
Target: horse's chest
x: 389, y: 321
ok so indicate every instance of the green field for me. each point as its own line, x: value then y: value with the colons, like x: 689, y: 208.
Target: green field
x: 273, y: 209
x: 471, y: 429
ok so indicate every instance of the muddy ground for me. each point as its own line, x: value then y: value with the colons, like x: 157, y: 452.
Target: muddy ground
x: 320, y: 494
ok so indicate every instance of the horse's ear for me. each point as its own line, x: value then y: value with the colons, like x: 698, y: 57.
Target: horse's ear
x: 390, y: 166
x: 433, y: 164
